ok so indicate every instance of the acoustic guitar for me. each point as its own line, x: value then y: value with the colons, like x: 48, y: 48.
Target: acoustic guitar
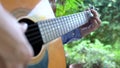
x: 44, y: 30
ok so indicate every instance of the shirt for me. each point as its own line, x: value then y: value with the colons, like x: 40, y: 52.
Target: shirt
x: 71, y: 36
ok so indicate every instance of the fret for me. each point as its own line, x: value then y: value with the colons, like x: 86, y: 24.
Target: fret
x: 88, y: 15
x: 58, y: 28
x: 53, y: 28
x: 83, y: 16
x: 48, y: 37
x: 62, y: 30
x: 82, y: 20
x: 63, y: 26
x: 53, y: 32
x: 78, y: 20
x: 66, y: 24
x: 75, y: 22
x: 71, y: 23
x: 42, y: 30
x: 56, y: 31
x: 52, y: 37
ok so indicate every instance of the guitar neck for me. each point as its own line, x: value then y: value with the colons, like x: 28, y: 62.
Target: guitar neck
x: 54, y: 28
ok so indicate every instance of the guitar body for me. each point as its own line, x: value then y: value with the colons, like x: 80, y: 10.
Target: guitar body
x: 54, y: 49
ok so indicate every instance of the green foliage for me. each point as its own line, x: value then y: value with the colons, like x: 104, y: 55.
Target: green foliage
x: 117, y: 58
x: 90, y: 54
x: 102, y: 46
x: 116, y: 51
x: 69, y: 7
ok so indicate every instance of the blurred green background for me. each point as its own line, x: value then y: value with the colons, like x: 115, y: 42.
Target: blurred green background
x: 101, y: 48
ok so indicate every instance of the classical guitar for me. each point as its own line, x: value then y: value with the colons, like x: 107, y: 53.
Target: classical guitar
x: 44, y: 35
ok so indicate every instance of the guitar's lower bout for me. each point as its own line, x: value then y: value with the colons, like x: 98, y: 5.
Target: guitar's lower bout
x: 53, y: 49
x: 33, y: 35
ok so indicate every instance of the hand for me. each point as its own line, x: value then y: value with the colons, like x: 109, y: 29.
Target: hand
x: 15, y: 51
x: 92, y: 25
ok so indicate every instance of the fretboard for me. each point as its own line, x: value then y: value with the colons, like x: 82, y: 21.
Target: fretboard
x: 54, y: 28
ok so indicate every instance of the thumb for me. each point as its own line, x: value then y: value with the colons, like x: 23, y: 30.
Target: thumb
x: 23, y: 26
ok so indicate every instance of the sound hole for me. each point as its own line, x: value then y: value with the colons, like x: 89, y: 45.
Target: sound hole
x: 33, y: 35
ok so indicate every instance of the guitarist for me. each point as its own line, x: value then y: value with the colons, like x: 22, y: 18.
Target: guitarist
x: 15, y: 51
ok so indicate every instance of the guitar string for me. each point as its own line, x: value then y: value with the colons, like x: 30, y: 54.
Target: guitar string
x: 36, y: 41
x: 36, y: 27
x: 33, y: 37
x: 46, y: 31
x: 57, y: 27
x: 55, y: 18
x: 32, y: 34
x: 38, y: 31
x: 46, y: 28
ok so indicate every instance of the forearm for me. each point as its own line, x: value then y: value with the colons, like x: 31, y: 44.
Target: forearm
x: 14, y: 48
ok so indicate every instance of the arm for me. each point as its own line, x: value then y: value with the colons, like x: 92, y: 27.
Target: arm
x: 15, y: 50
x: 84, y: 30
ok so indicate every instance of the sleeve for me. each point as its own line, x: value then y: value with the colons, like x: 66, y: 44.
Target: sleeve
x: 71, y: 36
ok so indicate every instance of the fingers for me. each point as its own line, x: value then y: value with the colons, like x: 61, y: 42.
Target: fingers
x: 95, y: 13
x: 23, y: 27
x: 97, y: 20
x: 94, y: 24
x: 96, y: 16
